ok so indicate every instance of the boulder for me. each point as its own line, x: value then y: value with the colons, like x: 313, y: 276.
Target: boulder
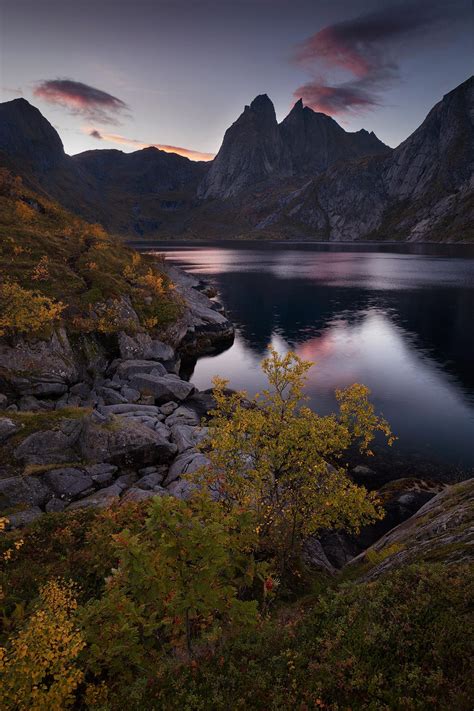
x: 3, y: 401
x: 168, y: 408
x: 186, y: 463
x: 7, y: 429
x: 163, y: 388
x: 99, y: 499
x: 124, y: 442
x: 18, y: 490
x: 187, y: 436
x: 144, y: 347
x: 69, y: 482
x: 152, y: 410
x: 183, y: 416
x: 181, y: 488
x: 152, y: 479
x: 135, y: 494
x: 130, y: 394
x: 24, y: 518
x: 127, y: 368
x: 112, y: 397
x: 50, y: 446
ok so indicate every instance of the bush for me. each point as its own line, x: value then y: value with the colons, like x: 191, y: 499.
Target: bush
x: 25, y: 311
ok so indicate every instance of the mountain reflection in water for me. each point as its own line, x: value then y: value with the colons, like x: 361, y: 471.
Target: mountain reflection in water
x: 396, y: 318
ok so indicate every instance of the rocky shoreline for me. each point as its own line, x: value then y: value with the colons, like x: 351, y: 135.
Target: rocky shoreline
x: 110, y: 421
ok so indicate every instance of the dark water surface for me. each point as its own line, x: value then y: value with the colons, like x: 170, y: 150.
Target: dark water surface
x: 398, y: 318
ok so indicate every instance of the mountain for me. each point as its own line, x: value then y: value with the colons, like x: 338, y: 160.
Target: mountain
x: 256, y: 148
x: 252, y: 151
x: 305, y: 178
x: 424, y: 190
x: 315, y: 141
x: 27, y: 136
x: 129, y: 193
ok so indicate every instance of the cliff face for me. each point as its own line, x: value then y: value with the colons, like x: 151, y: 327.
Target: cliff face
x: 423, y: 190
x: 252, y: 151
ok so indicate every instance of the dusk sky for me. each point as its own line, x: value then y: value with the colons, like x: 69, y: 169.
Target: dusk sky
x: 126, y: 74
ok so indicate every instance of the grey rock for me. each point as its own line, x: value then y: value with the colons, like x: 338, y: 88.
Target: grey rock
x: 3, y: 401
x: 153, y: 410
x: 186, y: 463
x: 187, y: 436
x: 127, y: 368
x: 151, y: 480
x: 55, y: 505
x: 50, y: 446
x: 124, y: 442
x: 80, y: 389
x: 99, y: 499
x: 181, y: 489
x: 168, y: 408
x: 7, y: 429
x: 24, y: 518
x: 126, y: 480
x: 136, y: 494
x: 17, y: 490
x: 162, y: 388
x: 130, y: 394
x: 112, y: 397
x: 69, y: 482
x: 182, y: 416
x: 142, y: 346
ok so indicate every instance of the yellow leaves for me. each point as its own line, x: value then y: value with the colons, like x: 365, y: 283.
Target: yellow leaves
x: 41, y: 270
x: 24, y: 212
x: 39, y: 666
x: 272, y: 456
x: 25, y: 311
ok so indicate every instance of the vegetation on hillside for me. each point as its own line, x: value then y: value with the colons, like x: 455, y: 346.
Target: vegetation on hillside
x: 207, y: 604
x: 55, y: 267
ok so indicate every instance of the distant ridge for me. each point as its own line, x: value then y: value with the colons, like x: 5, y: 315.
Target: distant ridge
x: 305, y: 178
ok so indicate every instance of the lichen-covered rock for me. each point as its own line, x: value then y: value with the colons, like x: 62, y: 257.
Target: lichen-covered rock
x: 69, y: 482
x: 20, y: 490
x: 163, y: 388
x: 124, y: 441
x: 50, y: 446
x: 127, y: 368
x: 42, y: 368
x: 143, y: 346
x: 442, y: 530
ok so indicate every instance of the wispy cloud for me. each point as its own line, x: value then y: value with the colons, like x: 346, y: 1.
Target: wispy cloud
x: 119, y: 140
x: 79, y: 98
x: 365, y: 48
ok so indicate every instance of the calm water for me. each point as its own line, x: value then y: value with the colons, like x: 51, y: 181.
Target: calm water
x: 399, y: 319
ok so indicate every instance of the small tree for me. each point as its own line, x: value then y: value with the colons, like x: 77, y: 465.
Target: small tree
x: 177, y: 582
x: 281, y: 459
x: 38, y: 669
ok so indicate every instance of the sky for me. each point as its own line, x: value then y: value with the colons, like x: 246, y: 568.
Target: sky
x: 177, y: 73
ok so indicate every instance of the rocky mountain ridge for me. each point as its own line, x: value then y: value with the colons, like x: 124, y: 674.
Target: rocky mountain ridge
x: 305, y: 178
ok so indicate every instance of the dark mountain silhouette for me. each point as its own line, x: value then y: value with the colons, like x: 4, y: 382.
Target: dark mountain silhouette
x: 305, y: 178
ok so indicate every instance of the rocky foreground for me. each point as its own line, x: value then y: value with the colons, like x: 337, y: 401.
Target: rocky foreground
x: 87, y: 423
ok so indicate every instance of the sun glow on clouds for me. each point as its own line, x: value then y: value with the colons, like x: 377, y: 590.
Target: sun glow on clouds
x: 134, y: 143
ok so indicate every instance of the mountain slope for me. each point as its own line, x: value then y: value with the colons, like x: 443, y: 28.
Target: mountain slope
x: 423, y: 190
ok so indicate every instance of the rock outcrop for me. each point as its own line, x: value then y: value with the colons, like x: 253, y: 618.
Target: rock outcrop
x: 82, y: 431
x: 441, y: 530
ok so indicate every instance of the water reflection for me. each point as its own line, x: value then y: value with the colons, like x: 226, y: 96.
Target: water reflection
x: 400, y: 323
